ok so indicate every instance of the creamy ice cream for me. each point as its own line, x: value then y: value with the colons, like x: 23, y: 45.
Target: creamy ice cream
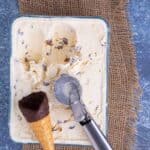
x: 45, y: 48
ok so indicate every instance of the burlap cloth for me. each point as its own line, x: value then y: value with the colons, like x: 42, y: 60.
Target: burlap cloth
x: 123, y: 79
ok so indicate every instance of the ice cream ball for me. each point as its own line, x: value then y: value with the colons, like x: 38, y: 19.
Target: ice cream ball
x: 30, y: 43
x: 60, y: 47
x: 64, y: 35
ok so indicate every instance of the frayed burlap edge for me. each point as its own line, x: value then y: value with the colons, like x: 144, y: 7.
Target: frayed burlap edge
x: 123, y: 30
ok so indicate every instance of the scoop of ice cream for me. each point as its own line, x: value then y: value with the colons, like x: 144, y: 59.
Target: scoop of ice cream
x: 30, y: 43
x: 61, y: 46
x: 64, y: 35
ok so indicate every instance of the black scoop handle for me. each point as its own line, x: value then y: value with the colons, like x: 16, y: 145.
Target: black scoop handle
x: 96, y: 136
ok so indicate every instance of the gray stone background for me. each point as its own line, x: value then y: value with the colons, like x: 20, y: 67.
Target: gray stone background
x: 139, y: 16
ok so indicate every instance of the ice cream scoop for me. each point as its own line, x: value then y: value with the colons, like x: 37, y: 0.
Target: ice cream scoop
x: 35, y: 109
x: 68, y: 91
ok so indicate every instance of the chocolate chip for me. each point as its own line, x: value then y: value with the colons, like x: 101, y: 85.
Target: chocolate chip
x: 20, y: 32
x: 60, y: 129
x: 49, y: 42
x: 59, y: 47
x: 65, y: 40
x: 22, y: 42
x: 67, y: 59
x: 57, y: 128
x: 19, y: 117
x: 72, y: 127
x: 26, y: 53
x: 65, y: 121
x: 44, y: 66
x: 96, y: 107
x: 26, y: 59
x: 67, y: 108
x: 54, y: 128
x: 14, y: 86
x: 78, y: 73
x: 45, y: 83
x: 90, y: 55
x: 26, y: 46
x: 47, y: 53
x: 73, y: 60
x: 59, y: 122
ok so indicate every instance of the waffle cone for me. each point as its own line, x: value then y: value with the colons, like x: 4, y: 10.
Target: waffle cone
x: 43, y: 131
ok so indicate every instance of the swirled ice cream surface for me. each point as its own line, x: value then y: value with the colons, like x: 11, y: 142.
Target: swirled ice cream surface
x: 45, y: 48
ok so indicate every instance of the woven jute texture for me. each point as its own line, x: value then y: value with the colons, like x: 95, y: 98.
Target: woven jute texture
x: 124, y: 88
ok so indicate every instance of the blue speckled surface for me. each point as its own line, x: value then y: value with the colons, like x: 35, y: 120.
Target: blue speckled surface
x: 139, y: 15
x: 8, y: 10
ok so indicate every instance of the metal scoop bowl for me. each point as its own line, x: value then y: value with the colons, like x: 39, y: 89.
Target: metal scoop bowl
x: 68, y: 91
